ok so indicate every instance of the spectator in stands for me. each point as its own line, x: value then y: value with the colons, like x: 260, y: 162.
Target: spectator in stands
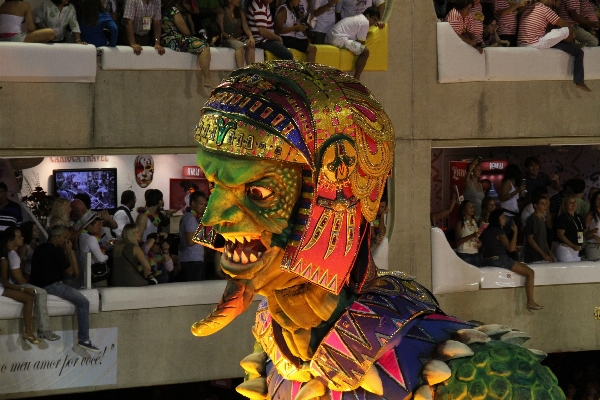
x: 191, y: 254
x: 532, y: 33
x: 488, y: 205
x: 236, y: 33
x: 60, y: 213
x: 570, y: 230
x: 123, y: 214
x: 534, y: 177
x: 473, y: 190
x: 51, y: 263
x: 91, y: 240
x: 82, y: 205
x: 506, y: 14
x: 10, y: 212
x: 478, y: 18
x: 588, y: 11
x: 12, y: 241
x: 13, y: 13
x: 141, y: 17
x: 486, y: 185
x: 31, y: 234
x: 23, y: 295
x: 530, y: 209
x: 351, y: 33
x: 209, y: 12
x: 60, y: 16
x: 495, y: 246
x: 467, y: 235
x: 571, y: 12
x: 324, y: 11
x: 592, y: 221
x: 93, y: 21
x: 177, y: 36
x: 461, y: 20
x: 352, y: 8
x: 440, y: 215
x: 441, y: 8
x: 490, y: 35
x: 156, y: 249
x: 148, y: 218
x: 127, y: 258
x: 577, y: 188
x: 556, y: 200
x: 511, y: 190
x: 292, y: 31
x: 260, y: 22
x: 536, y: 243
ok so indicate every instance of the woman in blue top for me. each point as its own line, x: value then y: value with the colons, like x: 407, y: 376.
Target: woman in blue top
x: 93, y: 21
x: 495, y: 246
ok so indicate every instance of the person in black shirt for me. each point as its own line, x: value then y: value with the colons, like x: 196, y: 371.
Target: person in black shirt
x: 51, y: 263
x: 496, y: 244
x: 570, y: 230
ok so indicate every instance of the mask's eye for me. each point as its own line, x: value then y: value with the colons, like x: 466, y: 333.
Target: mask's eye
x: 259, y: 192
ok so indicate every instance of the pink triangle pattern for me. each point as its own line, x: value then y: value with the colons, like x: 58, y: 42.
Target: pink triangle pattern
x: 334, y: 341
x: 389, y: 364
x: 336, y: 394
x: 295, y: 389
x: 361, y: 308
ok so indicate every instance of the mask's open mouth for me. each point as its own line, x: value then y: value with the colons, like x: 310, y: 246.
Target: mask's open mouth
x: 246, y: 249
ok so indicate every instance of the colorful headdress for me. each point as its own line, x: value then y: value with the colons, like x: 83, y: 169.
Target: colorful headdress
x: 328, y: 122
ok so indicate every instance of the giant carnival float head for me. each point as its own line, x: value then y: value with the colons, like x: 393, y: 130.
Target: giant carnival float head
x: 297, y: 156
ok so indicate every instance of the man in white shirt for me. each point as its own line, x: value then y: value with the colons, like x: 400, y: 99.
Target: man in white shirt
x: 351, y: 33
x: 123, y: 214
x: 351, y: 8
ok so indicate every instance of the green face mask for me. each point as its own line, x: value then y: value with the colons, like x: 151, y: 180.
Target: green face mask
x: 250, y: 205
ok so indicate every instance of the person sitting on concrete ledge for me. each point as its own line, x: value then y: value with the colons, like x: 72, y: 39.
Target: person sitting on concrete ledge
x: 572, y: 12
x: 12, y: 14
x: 260, y: 22
x: 60, y: 16
x: 351, y: 33
x: 11, y: 242
x: 532, y: 33
x: 51, y: 263
x: 461, y: 20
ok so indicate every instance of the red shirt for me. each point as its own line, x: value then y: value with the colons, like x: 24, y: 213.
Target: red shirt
x: 477, y: 15
x: 565, y: 6
x: 534, y: 21
x: 458, y: 23
x: 588, y: 10
x: 259, y: 16
x: 507, y: 25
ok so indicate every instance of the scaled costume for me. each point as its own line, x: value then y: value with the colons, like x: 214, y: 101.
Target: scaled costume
x: 297, y: 156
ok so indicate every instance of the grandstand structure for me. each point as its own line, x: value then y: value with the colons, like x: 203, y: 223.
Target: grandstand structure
x: 58, y: 108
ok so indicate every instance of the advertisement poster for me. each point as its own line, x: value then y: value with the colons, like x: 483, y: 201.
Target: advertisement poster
x: 26, y: 367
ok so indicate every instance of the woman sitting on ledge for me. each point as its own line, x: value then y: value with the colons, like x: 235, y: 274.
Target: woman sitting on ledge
x: 236, y: 33
x: 177, y: 36
x: 293, y: 33
x: 18, y: 293
x: 495, y: 246
x: 12, y: 14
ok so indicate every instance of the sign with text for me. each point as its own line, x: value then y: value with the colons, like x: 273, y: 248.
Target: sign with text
x: 26, y: 367
x: 78, y: 159
x: 192, y: 172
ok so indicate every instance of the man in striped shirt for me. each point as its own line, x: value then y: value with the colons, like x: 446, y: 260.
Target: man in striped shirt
x: 506, y: 16
x: 10, y: 212
x: 461, y: 20
x: 532, y: 33
x: 571, y: 11
x: 260, y: 23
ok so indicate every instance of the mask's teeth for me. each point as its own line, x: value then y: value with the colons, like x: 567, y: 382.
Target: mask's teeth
x: 248, y: 238
x: 236, y: 257
x: 253, y: 258
x: 244, y: 258
x: 228, y: 254
x: 260, y: 253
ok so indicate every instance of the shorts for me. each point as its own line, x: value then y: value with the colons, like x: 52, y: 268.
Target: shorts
x: 344, y: 43
x: 233, y: 43
x: 295, y: 43
x: 472, y: 259
x: 502, y: 261
x: 18, y: 37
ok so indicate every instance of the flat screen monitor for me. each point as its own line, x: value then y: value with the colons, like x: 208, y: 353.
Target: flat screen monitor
x: 98, y: 183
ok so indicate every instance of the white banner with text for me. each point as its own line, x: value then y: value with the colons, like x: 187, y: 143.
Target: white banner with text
x: 26, y: 367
